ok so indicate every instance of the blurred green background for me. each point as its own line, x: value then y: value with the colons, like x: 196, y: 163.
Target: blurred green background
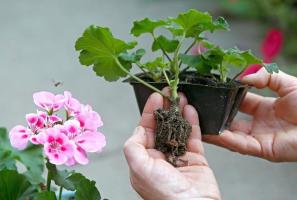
x: 37, y: 49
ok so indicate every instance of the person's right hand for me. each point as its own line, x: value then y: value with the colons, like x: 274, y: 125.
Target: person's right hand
x: 272, y: 132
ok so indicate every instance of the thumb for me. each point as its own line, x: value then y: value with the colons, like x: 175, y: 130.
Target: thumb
x: 135, y: 149
x: 281, y: 82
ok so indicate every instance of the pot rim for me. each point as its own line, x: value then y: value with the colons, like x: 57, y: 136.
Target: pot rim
x: 182, y: 83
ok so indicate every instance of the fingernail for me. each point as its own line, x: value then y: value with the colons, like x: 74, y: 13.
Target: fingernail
x: 137, y: 130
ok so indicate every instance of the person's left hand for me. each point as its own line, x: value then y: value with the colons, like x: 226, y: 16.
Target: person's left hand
x: 153, y: 177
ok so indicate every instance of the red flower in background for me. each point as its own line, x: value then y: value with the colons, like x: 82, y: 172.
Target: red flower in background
x: 270, y: 49
x: 272, y: 45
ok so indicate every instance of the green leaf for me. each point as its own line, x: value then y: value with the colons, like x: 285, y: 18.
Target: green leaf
x: 190, y: 60
x: 85, y: 189
x: 45, y: 195
x: 146, y: 26
x: 99, y: 48
x: 167, y: 45
x: 133, y: 57
x: 10, y: 155
x: 250, y: 58
x: 219, y: 24
x: 13, y: 185
x: 175, y: 29
x: 197, y: 62
x: 157, y: 64
x: 194, y: 22
x: 60, y: 176
x: 271, y: 67
x: 6, y: 160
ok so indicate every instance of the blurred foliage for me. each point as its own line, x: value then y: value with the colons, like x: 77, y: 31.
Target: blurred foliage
x: 280, y: 14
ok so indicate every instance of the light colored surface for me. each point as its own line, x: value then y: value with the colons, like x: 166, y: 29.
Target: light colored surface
x: 37, y: 39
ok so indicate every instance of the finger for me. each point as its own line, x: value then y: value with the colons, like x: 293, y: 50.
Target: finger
x: 135, y: 149
x: 241, y: 125
x: 285, y: 107
x: 182, y: 99
x: 281, y: 82
x: 235, y: 141
x: 194, y: 142
x: 191, y: 159
x: 251, y: 103
x: 155, y: 154
x: 154, y: 102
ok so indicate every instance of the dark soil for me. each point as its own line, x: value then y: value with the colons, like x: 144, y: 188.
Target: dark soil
x: 172, y: 133
x: 191, y: 77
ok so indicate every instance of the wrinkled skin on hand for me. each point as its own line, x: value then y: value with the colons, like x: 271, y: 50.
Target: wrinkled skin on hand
x: 153, y: 177
x: 272, y: 132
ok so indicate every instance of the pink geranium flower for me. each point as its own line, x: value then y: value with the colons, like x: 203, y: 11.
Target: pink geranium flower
x: 48, y: 101
x: 89, y: 119
x: 65, y: 141
x: 19, y: 137
x: 35, y: 122
x: 57, y: 146
x: 71, y: 104
x: 85, y: 141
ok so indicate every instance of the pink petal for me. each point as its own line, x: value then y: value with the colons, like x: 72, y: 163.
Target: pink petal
x: 272, y: 44
x: 31, y: 119
x: 67, y: 149
x: 41, y: 137
x: 57, y: 158
x: 41, y: 114
x: 70, y: 162
x: 19, y: 137
x: 58, y: 102
x: 40, y: 123
x: 54, y: 119
x: 254, y: 68
x: 91, y: 141
x: 34, y: 139
x: 80, y: 156
x: 89, y: 119
x: 72, y: 126
x: 44, y: 100
x: 72, y: 105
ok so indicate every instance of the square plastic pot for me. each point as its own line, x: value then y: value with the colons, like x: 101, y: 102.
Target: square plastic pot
x: 217, y: 105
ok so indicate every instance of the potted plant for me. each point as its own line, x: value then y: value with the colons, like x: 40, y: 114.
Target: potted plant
x: 202, y: 77
x: 56, y: 140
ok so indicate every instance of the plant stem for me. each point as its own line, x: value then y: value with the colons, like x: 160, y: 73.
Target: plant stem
x: 140, y: 67
x: 222, y: 74
x: 174, y: 86
x: 162, y: 49
x: 190, y: 47
x: 60, y: 193
x: 48, y: 181
x: 237, y: 75
x: 182, y: 71
x: 138, y: 79
x: 166, y: 77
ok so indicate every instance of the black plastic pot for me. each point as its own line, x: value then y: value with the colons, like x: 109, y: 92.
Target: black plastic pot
x: 142, y: 92
x: 217, y: 104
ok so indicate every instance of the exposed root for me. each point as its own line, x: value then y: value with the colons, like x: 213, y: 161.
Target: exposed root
x: 172, y: 133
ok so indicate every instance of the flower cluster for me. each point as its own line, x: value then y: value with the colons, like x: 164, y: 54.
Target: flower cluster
x: 65, y: 141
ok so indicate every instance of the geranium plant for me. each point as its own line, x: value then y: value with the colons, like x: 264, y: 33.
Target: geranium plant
x: 113, y: 59
x: 49, y: 137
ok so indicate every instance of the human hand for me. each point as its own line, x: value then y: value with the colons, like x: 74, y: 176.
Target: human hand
x: 153, y: 177
x: 272, y: 132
